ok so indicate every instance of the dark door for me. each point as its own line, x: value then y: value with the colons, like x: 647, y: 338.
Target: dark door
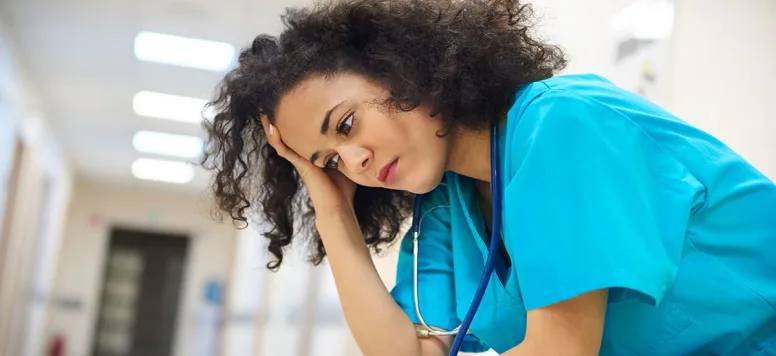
x: 141, y: 292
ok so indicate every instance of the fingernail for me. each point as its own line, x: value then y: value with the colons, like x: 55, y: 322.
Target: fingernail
x: 271, y: 129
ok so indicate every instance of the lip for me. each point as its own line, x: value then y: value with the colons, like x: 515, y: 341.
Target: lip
x: 388, y: 172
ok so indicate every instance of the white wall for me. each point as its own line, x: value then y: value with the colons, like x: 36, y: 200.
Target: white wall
x: 94, y: 209
x: 292, y: 312
x: 38, y: 214
x: 246, y: 296
x: 7, y: 137
x: 723, y: 74
x: 582, y: 29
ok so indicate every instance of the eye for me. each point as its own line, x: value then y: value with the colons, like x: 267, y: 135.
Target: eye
x: 332, y: 163
x: 346, y: 125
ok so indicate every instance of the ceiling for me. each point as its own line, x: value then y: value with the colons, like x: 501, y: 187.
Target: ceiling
x: 78, y: 55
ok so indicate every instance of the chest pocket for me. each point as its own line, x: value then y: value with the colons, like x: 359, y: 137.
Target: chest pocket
x: 635, y: 328
x: 500, y: 321
x: 501, y: 318
x: 769, y: 350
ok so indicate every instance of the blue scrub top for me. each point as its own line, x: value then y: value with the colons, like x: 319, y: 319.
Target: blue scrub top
x: 603, y: 189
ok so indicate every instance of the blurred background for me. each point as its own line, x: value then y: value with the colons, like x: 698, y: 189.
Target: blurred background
x: 106, y: 245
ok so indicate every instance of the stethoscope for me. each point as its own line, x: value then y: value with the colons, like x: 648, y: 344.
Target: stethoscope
x: 495, y: 239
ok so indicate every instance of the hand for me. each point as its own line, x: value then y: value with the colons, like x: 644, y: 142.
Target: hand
x: 327, y: 189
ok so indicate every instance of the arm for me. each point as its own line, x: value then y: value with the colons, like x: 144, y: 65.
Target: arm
x: 379, y: 326
x: 573, y: 327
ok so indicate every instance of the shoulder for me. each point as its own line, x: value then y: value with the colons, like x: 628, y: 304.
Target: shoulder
x: 577, y: 117
x: 571, y: 96
x: 577, y: 105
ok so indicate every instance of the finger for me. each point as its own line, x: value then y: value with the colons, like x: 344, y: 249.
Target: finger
x: 276, y: 141
x: 273, y: 136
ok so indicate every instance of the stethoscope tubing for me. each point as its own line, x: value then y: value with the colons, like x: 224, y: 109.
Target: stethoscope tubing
x: 495, y: 240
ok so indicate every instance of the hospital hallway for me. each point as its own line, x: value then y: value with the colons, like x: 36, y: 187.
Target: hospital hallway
x: 108, y: 244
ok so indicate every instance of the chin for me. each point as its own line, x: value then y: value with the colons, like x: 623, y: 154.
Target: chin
x: 427, y: 185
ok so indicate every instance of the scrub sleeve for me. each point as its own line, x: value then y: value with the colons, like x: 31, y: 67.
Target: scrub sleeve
x: 592, y: 203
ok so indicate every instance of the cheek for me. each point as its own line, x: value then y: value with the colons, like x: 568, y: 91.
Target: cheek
x: 359, y: 179
x: 397, y: 125
x: 381, y: 132
x: 418, y: 130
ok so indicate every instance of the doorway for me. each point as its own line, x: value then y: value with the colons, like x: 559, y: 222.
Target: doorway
x: 140, y: 293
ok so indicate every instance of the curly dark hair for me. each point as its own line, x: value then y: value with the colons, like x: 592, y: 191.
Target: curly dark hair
x: 466, y: 59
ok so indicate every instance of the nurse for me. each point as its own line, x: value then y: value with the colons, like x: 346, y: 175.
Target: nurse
x: 626, y: 231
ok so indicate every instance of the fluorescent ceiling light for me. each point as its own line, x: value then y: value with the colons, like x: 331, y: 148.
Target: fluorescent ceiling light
x: 183, y: 51
x: 168, y: 144
x: 162, y: 171
x: 169, y: 107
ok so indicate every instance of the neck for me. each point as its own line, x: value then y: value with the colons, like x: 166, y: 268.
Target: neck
x: 469, y: 147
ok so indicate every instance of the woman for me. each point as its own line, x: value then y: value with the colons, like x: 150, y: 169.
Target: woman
x: 625, y: 230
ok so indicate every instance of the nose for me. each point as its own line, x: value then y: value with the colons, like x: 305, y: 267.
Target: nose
x: 356, y: 158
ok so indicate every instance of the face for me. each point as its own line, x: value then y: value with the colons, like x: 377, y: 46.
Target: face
x: 341, y: 123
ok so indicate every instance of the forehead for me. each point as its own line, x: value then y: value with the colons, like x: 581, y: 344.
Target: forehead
x: 300, y: 112
x: 317, y: 94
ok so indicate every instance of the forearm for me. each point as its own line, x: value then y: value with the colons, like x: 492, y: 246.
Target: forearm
x: 573, y: 327
x: 377, y: 323
x: 527, y: 348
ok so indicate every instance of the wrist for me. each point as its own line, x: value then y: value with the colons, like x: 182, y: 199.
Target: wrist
x: 341, y: 219
x: 340, y: 233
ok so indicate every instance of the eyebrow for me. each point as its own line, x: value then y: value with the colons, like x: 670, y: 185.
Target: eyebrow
x: 324, y: 129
